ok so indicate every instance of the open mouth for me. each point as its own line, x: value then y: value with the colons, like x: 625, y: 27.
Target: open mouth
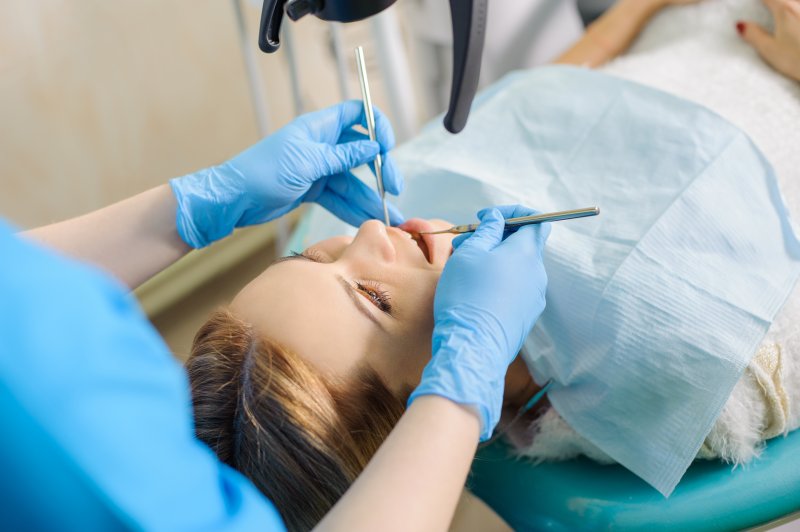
x: 413, y: 228
x: 423, y: 246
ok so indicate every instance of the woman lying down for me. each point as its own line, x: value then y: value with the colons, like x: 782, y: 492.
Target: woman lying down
x: 662, y: 334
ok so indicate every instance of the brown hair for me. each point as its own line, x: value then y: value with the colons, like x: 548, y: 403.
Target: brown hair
x: 301, y: 438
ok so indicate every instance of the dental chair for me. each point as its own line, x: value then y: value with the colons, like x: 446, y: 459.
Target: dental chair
x: 583, y: 495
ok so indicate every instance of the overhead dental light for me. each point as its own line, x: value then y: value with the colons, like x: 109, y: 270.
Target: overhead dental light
x: 468, y: 21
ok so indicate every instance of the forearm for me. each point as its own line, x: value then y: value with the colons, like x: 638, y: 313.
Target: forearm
x: 133, y: 239
x: 415, y: 479
x: 472, y: 514
x: 611, y: 34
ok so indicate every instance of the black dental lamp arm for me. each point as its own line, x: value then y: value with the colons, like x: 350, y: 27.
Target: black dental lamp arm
x: 469, y: 25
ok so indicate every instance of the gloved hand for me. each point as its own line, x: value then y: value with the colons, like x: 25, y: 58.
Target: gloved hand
x: 490, y: 295
x: 307, y: 160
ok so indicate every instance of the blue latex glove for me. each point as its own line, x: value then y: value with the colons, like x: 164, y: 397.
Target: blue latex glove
x: 490, y: 295
x: 307, y: 160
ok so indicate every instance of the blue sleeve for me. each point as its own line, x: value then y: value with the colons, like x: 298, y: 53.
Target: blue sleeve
x: 78, y: 356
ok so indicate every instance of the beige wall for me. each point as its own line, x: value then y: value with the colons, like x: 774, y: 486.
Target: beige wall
x: 101, y: 99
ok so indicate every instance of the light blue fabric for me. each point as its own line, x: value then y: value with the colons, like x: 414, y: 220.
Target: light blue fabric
x: 93, y: 384
x: 655, y: 307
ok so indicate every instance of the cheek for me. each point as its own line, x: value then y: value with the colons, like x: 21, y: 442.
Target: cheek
x: 419, y: 325
x: 417, y: 293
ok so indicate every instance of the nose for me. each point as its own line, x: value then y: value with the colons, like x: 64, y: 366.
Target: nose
x: 372, y: 239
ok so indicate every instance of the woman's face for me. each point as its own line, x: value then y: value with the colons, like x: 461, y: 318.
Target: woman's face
x: 349, y: 302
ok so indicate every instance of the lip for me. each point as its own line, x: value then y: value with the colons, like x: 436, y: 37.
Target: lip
x: 424, y: 242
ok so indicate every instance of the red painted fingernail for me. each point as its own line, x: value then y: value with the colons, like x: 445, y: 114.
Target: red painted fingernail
x: 740, y: 27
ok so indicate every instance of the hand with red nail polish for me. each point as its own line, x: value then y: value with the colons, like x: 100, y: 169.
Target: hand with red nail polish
x: 781, y: 49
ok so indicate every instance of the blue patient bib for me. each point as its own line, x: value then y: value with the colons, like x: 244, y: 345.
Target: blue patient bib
x: 655, y: 307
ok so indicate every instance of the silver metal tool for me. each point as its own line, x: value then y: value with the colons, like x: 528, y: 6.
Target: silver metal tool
x: 516, y: 223
x: 367, y: 98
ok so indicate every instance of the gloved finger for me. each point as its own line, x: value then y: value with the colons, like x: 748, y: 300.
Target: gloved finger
x: 457, y: 241
x: 343, y: 157
x: 392, y: 178
x: 345, y: 193
x: 351, y: 135
x: 529, y: 240
x: 326, y: 125
x: 395, y: 216
x: 354, y: 215
x: 352, y: 113
x: 489, y: 232
x: 334, y: 205
x: 384, y: 133
x: 511, y: 211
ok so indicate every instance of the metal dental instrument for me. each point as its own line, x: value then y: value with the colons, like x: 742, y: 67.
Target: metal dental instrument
x: 513, y: 224
x: 365, y: 95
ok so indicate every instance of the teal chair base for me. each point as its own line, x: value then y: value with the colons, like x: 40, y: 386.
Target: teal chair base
x: 583, y: 495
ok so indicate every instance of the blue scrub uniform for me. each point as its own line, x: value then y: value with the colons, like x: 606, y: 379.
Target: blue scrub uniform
x: 85, y: 376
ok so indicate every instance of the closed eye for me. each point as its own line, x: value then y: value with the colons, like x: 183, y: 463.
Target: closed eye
x: 376, y: 295
x: 309, y: 254
x: 371, y: 290
x: 312, y: 255
x: 358, y: 291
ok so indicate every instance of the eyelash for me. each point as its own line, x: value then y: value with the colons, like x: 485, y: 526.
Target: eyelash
x: 311, y: 254
x: 379, y: 297
x: 376, y: 294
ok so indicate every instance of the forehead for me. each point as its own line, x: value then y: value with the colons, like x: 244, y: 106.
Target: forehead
x: 304, y: 307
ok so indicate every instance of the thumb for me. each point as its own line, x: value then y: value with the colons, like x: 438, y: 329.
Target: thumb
x: 759, y: 38
x: 490, y: 231
x: 346, y: 156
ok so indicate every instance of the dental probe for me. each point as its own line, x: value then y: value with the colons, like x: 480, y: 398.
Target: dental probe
x: 365, y: 95
x: 513, y: 224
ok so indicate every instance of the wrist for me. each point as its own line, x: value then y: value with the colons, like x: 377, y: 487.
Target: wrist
x: 468, y: 327
x: 468, y: 373
x: 642, y: 8
x: 443, y: 409
x: 487, y: 413
x: 207, y: 208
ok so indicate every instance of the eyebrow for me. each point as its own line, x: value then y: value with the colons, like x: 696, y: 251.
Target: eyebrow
x: 352, y: 293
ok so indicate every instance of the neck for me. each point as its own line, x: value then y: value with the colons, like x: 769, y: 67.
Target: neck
x: 520, y: 386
